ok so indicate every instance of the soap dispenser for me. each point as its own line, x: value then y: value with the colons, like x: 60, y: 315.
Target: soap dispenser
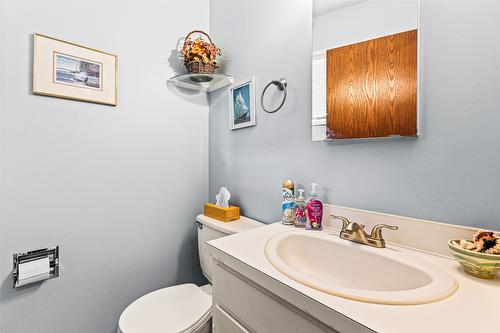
x: 314, y: 210
x: 300, y: 206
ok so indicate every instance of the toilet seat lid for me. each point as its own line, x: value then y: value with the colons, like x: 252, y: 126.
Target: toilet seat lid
x: 174, y: 309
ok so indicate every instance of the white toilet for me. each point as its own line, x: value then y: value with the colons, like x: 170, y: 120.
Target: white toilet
x: 184, y: 308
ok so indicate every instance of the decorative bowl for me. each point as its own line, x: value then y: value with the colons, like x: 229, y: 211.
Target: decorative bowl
x: 478, y: 264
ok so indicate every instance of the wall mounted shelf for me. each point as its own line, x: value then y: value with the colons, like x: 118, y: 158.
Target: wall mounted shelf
x: 201, y: 82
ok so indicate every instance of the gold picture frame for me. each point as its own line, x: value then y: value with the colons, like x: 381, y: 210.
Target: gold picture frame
x: 71, y: 71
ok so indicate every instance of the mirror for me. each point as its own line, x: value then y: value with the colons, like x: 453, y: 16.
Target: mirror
x: 364, y: 69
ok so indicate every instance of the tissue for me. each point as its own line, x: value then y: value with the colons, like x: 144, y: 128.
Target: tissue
x: 222, y: 199
x: 33, y: 271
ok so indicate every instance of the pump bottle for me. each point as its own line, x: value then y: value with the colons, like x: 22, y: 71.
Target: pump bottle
x: 314, y: 210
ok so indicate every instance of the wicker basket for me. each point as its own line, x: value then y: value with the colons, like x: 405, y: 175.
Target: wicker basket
x: 222, y: 214
x: 198, y: 67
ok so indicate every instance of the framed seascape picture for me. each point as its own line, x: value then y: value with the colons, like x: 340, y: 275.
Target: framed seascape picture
x: 67, y: 70
x: 242, y: 105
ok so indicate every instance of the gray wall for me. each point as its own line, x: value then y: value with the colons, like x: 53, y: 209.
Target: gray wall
x: 450, y: 174
x: 117, y: 188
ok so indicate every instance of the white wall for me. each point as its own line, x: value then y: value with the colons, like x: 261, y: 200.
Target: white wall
x: 449, y: 174
x: 363, y: 21
x: 118, y: 188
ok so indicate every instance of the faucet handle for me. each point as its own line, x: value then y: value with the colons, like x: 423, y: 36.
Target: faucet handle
x: 377, y: 230
x: 344, y: 220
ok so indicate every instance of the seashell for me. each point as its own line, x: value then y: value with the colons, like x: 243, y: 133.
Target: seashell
x: 495, y: 249
x: 468, y: 245
x: 485, y: 240
x: 489, y: 235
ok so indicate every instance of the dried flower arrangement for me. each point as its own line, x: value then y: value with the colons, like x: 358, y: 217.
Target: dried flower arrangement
x: 200, y: 56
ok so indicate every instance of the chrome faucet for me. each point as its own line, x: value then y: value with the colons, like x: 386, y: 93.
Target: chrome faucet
x: 355, y: 232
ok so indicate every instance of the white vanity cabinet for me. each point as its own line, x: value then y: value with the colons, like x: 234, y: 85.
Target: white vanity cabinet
x: 242, y: 305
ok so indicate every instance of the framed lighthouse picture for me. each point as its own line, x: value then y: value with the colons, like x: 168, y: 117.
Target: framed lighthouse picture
x: 242, y: 104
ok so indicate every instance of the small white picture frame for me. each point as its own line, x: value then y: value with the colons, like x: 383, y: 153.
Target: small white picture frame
x: 242, y: 104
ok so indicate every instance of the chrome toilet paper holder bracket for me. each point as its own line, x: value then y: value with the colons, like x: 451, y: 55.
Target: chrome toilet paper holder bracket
x: 52, y: 253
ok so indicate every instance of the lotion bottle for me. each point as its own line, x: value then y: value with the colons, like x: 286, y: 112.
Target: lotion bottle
x: 300, y: 210
x: 314, y: 210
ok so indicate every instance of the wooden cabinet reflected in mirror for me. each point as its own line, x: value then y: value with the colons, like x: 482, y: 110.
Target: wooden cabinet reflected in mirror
x: 372, y: 88
x: 364, y: 69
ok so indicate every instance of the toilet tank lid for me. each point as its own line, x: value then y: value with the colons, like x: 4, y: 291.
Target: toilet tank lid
x: 242, y: 224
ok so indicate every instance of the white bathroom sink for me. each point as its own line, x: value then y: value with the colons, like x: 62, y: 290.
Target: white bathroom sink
x: 358, y: 272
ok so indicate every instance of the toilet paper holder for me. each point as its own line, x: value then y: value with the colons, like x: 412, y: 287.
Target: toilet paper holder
x: 52, y: 253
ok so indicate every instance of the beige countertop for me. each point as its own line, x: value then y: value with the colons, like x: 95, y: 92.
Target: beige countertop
x: 474, y: 306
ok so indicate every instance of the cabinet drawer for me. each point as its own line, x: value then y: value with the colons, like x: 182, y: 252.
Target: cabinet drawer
x: 257, y: 309
x: 224, y: 323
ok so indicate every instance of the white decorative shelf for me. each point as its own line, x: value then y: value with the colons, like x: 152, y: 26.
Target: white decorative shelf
x: 201, y: 82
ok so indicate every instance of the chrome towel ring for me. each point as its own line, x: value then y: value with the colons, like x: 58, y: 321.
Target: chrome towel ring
x: 281, y: 84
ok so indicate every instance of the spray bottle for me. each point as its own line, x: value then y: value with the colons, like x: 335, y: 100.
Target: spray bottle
x: 287, y: 196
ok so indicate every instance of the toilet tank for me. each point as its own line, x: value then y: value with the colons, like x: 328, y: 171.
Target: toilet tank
x: 209, y: 228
